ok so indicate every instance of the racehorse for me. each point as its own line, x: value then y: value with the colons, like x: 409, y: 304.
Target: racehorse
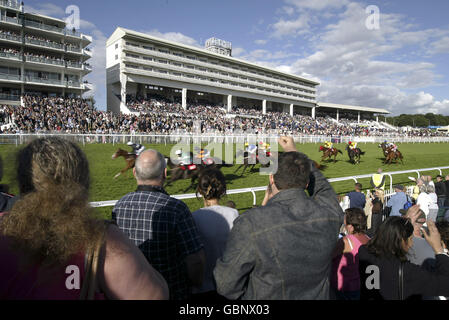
x: 329, y: 153
x: 354, y: 154
x: 192, y: 171
x: 252, y: 160
x: 393, y: 156
x: 130, y: 159
x: 384, y: 147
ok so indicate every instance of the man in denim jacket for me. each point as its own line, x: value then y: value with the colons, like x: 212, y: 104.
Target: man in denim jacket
x: 283, y: 249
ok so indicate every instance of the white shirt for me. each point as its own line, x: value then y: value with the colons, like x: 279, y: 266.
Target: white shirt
x: 424, y: 200
x: 214, y: 224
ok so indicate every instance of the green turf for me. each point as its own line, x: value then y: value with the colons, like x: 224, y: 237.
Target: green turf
x: 103, y: 169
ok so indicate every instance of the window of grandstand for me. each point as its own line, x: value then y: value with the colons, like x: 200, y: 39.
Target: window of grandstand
x: 148, y: 58
x: 164, y: 51
x: 148, y: 48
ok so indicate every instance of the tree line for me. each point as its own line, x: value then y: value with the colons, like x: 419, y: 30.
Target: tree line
x: 418, y: 120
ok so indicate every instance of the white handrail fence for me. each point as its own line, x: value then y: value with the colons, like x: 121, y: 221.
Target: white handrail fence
x: 388, y: 193
x: 19, y: 139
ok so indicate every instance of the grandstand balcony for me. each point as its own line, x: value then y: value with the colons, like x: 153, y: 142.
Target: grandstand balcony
x: 10, y: 20
x: 10, y: 4
x: 193, y: 80
x: 9, y: 97
x: 250, y: 85
x: 48, y: 45
x: 10, y: 56
x: 10, y: 78
x: 158, y: 54
x: 10, y: 38
x: 45, y: 81
x: 53, y: 62
x: 43, y: 27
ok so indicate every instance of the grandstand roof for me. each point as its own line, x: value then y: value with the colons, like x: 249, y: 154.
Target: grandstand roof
x: 121, y: 32
x: 352, y: 108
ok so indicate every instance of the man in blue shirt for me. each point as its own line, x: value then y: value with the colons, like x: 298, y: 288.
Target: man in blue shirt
x: 397, y: 201
x: 356, y: 198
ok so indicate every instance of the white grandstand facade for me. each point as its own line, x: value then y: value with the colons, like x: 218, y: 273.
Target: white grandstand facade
x: 141, y: 65
x: 39, y: 55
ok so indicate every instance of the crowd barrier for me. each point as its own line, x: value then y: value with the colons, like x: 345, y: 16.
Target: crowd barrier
x: 389, y: 192
x: 19, y: 139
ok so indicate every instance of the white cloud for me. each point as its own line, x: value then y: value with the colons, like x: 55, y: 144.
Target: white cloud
x: 294, y: 28
x: 260, y: 42
x: 440, y: 46
x: 174, y: 36
x: 357, y: 66
x: 237, y: 52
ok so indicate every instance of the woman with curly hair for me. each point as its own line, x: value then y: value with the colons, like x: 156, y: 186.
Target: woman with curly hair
x: 52, y: 246
x: 214, y: 223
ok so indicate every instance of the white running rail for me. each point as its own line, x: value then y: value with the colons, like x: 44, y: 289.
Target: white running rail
x: 112, y: 203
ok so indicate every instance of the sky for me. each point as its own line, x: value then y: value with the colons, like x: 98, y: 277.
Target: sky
x: 397, y: 59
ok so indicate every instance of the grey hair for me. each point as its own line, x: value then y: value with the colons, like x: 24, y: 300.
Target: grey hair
x: 150, y: 170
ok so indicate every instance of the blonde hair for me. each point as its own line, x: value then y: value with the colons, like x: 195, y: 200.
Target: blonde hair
x: 380, y: 194
x: 52, y: 221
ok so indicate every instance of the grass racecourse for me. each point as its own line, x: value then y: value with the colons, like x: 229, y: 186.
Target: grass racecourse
x: 104, y: 187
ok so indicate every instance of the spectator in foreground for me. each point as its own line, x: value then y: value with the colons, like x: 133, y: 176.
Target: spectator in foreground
x: 397, y: 201
x: 265, y: 253
x: 214, y: 223
x: 345, y: 277
x: 440, y: 190
x: 420, y: 253
x: 53, y: 227
x: 387, y: 251
x: 377, y: 207
x: 356, y: 198
x: 162, y: 227
x: 6, y: 199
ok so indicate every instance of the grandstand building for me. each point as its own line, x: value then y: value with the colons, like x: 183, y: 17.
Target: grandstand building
x: 142, y: 65
x: 39, y: 55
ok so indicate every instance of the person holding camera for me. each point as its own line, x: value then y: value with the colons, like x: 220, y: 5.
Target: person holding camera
x: 385, y: 271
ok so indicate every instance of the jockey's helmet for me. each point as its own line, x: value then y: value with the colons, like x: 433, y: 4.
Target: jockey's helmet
x: 130, y: 143
x: 178, y: 152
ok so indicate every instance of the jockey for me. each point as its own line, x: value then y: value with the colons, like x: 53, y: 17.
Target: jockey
x: 183, y: 158
x: 329, y: 145
x: 250, y: 148
x: 352, y: 145
x: 137, y: 148
x: 392, y: 146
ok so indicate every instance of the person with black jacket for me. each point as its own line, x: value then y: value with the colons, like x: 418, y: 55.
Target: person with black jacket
x: 385, y: 272
x: 440, y: 190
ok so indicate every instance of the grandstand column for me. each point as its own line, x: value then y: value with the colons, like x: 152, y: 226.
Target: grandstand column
x: 377, y: 119
x: 264, y: 107
x: 229, y: 103
x: 338, y: 115
x: 313, y: 112
x: 359, y: 118
x: 291, y: 110
x: 184, y: 98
